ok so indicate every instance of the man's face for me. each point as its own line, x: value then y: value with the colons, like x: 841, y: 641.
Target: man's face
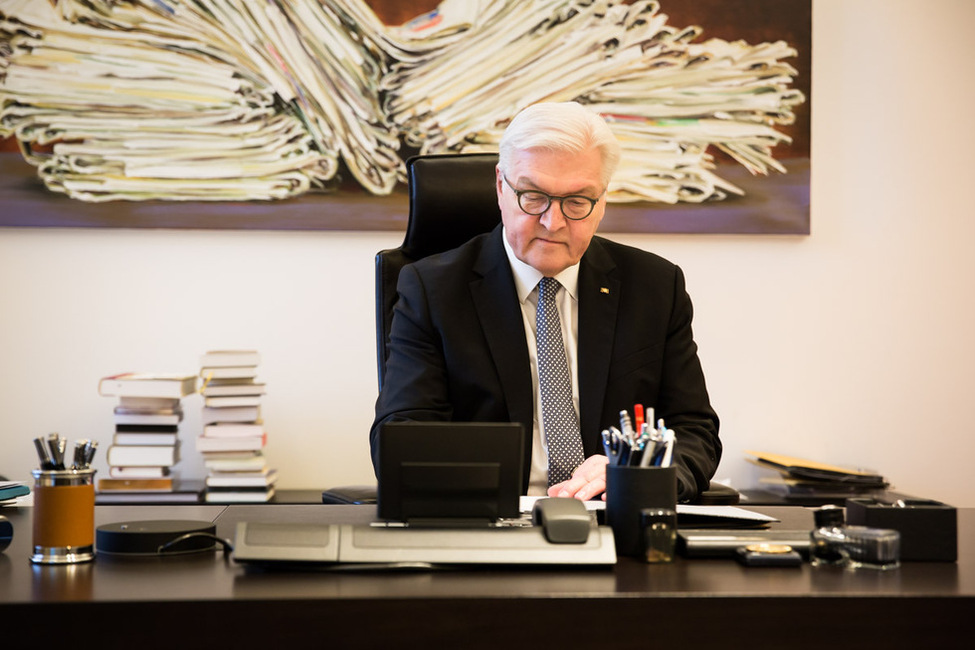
x: 549, y: 242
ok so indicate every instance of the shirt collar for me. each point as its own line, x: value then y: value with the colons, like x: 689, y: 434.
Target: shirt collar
x: 527, y: 277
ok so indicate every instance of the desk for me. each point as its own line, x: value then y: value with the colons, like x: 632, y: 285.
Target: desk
x: 189, y: 601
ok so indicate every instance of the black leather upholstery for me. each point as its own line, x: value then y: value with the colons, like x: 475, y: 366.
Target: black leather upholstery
x: 452, y: 198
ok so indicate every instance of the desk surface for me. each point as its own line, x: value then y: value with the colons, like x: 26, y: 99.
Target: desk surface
x: 693, y: 601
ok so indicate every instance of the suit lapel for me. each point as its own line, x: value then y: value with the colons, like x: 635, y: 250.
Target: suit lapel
x: 496, y: 302
x: 599, y: 298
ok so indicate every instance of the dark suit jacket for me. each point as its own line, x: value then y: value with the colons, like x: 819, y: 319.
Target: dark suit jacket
x: 458, y: 351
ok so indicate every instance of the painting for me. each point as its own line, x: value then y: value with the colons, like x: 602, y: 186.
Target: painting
x: 300, y: 115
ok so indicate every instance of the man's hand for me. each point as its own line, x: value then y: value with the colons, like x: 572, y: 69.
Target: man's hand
x: 588, y: 480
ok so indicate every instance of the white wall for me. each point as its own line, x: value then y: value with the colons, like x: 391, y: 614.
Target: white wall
x: 853, y: 345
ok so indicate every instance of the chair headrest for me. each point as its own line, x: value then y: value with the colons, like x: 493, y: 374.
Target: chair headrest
x: 452, y: 198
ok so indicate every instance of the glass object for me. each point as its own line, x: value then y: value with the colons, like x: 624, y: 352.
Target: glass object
x: 833, y: 543
x: 659, y: 534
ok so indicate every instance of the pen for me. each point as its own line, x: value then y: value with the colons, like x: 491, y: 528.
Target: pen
x: 51, y: 452
x: 84, y: 452
x: 667, y: 457
x: 58, y: 446
x: 44, y: 454
x: 90, y: 447
x: 626, y: 425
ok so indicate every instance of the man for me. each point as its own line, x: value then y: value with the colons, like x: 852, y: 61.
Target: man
x: 463, y: 341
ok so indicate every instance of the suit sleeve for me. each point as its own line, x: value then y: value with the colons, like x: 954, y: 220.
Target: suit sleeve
x: 415, y: 386
x: 683, y: 400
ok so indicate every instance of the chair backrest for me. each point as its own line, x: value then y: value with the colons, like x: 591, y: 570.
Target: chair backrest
x: 452, y: 199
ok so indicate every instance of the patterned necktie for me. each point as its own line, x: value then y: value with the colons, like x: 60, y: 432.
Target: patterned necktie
x: 561, y: 425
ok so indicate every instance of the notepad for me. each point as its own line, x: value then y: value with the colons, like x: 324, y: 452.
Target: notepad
x: 689, y: 516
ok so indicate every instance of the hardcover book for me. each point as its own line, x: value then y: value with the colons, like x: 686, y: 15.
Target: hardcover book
x: 136, y: 384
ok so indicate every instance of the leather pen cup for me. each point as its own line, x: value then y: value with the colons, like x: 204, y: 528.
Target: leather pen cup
x: 64, y: 516
x: 629, y: 491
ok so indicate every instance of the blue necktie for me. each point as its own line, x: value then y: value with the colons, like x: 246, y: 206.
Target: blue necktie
x: 559, y: 420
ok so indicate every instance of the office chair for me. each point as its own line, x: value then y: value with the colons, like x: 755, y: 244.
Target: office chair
x: 453, y: 198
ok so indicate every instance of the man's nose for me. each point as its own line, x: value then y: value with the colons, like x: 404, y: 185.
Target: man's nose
x: 552, y: 218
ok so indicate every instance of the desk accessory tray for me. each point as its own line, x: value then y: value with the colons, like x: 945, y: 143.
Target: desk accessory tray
x: 929, y: 529
x: 325, y: 545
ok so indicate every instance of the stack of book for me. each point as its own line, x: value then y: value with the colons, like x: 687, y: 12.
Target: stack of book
x: 145, y: 446
x: 801, y: 480
x: 233, y: 438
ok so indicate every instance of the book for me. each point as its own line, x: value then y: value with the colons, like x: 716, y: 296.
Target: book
x: 239, y: 495
x: 147, y: 471
x: 243, y: 461
x: 232, y: 400
x: 206, y: 443
x: 136, y: 403
x: 12, y: 490
x: 237, y: 372
x: 145, y: 438
x: 229, y: 358
x: 233, y: 429
x: 126, y: 418
x: 135, y: 384
x: 243, y: 414
x: 146, y: 428
x: 136, y: 484
x: 182, y: 492
x: 139, y: 455
x: 223, y: 387
x: 263, y: 478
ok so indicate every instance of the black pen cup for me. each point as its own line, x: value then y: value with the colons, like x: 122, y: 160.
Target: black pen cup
x: 64, y: 516
x: 630, y: 491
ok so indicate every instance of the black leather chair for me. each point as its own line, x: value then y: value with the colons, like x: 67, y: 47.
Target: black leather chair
x: 452, y: 198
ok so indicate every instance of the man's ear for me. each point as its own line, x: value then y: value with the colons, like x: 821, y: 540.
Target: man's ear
x: 498, y: 182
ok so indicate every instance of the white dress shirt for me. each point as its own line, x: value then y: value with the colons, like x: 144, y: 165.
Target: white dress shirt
x: 526, y: 284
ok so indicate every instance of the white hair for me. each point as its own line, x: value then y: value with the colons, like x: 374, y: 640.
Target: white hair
x: 561, y: 127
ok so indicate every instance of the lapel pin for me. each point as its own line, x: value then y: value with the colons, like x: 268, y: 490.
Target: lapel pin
x: 604, y: 290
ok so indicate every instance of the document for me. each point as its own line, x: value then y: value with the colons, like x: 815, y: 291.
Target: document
x: 718, y: 516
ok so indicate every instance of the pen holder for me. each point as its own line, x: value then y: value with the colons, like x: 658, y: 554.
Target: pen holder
x: 629, y: 491
x: 64, y: 516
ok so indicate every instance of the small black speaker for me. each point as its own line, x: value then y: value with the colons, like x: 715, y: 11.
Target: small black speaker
x: 146, y: 537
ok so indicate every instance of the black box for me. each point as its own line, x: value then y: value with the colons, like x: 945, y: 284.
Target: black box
x: 929, y: 529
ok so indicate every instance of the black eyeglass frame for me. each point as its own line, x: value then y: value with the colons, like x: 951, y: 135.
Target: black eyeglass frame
x: 550, y: 198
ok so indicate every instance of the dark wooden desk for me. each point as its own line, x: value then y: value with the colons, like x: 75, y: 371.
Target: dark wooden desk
x: 205, y: 599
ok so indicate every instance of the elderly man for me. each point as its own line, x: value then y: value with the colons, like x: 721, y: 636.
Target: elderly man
x: 544, y: 323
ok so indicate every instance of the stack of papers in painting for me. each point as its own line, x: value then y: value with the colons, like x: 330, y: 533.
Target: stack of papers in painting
x: 233, y: 438
x: 145, y: 445
x: 800, y: 479
x: 213, y: 100
x: 667, y: 98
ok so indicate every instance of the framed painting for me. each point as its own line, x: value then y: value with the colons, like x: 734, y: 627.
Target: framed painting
x: 300, y: 115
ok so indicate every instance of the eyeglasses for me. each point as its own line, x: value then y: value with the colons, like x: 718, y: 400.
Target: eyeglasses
x: 575, y: 207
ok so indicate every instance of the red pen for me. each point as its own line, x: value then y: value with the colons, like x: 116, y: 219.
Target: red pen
x: 638, y: 418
